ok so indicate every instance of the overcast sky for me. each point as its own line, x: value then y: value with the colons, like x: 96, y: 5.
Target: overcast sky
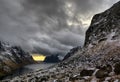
x: 50, y: 26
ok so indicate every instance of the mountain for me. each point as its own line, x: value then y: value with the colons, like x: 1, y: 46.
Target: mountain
x: 97, y: 61
x: 104, y: 26
x: 12, y: 58
x: 71, y: 52
x: 52, y: 59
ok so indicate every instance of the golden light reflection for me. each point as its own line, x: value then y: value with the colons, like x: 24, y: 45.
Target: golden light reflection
x: 38, y: 57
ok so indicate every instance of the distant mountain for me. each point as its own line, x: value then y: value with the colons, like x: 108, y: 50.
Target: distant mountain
x: 52, y: 59
x: 12, y: 57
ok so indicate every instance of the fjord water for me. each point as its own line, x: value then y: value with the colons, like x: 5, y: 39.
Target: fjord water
x: 29, y: 68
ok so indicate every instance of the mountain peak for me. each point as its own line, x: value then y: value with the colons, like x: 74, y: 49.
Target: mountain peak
x: 103, y: 24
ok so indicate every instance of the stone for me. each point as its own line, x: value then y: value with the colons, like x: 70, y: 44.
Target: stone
x: 117, y: 68
x: 101, y: 73
x: 85, y: 72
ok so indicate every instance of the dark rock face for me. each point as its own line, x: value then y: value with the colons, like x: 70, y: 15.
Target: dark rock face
x: 52, y: 59
x: 107, y: 68
x: 104, y: 26
x: 11, y: 58
x: 101, y: 73
x: 117, y: 68
x: 72, y: 51
x: 85, y: 72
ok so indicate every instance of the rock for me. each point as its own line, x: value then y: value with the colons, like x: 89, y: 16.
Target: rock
x: 71, y: 52
x: 59, y: 80
x: 101, y: 73
x: 85, y: 72
x: 107, y: 78
x: 108, y: 68
x: 73, y: 79
x: 43, y: 79
x: 12, y: 58
x: 117, y: 68
x: 31, y: 80
x: 104, y: 24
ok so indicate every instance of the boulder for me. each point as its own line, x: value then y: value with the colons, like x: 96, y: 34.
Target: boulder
x: 101, y: 73
x: 117, y: 68
x: 85, y: 72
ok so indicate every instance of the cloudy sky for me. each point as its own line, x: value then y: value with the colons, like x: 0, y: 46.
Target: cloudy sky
x: 49, y: 26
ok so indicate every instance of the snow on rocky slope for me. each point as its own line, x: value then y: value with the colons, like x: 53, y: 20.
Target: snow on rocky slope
x: 11, y: 58
x: 104, y: 25
x: 97, y: 61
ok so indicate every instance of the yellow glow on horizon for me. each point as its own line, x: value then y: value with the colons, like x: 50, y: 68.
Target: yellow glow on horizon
x: 38, y: 57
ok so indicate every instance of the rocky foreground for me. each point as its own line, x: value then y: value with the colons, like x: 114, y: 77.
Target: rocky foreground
x: 97, y: 61
x: 100, y: 66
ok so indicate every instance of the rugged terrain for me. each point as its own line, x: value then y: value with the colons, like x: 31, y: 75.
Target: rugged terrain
x: 12, y: 58
x: 97, y: 61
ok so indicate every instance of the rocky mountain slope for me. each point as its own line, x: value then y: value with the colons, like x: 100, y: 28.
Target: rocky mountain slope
x: 104, y: 26
x: 71, y: 52
x: 11, y: 58
x: 98, y: 61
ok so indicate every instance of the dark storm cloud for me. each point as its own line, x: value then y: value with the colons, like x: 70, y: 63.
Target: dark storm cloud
x: 48, y: 26
x: 94, y: 6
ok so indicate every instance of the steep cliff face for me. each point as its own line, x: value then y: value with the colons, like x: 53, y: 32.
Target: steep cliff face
x: 104, y: 26
x: 11, y: 58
